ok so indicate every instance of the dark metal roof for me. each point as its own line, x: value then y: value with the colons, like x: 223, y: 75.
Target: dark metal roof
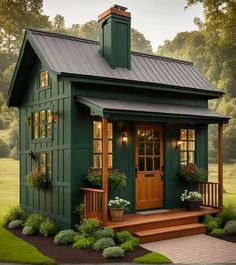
x: 107, y: 105
x: 72, y: 55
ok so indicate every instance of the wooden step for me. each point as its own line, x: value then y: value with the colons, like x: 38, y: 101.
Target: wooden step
x: 153, y: 222
x: 170, y: 232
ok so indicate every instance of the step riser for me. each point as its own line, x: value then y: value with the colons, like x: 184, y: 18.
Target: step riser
x: 158, y: 224
x: 172, y: 234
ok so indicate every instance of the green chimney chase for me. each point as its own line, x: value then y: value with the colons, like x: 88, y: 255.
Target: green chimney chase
x: 115, y: 36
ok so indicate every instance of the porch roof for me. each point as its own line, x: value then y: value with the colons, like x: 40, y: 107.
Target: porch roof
x: 114, y: 108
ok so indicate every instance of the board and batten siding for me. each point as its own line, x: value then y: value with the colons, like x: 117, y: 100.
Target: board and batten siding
x: 54, y: 202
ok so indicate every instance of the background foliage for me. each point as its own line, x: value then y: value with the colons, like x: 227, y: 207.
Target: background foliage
x: 212, y: 49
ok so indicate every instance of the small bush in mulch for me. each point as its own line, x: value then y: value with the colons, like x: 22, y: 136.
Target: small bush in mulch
x: 113, y: 252
x: 130, y: 244
x: 65, y: 237
x: 230, y: 227
x: 103, y: 243
x: 15, y: 224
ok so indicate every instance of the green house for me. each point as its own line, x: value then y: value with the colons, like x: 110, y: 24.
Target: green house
x: 86, y: 104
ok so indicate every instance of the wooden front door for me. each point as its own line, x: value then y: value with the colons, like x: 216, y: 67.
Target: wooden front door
x: 149, y: 167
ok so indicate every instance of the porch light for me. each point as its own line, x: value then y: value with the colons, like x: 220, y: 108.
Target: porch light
x: 124, y: 137
x: 178, y: 143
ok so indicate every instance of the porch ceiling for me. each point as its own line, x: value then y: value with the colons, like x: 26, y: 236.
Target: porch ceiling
x: 125, y: 109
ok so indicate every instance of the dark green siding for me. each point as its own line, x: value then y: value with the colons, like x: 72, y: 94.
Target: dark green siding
x: 56, y: 201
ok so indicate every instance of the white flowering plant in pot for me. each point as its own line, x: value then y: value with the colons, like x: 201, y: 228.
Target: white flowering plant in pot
x: 117, y: 207
x: 192, y: 199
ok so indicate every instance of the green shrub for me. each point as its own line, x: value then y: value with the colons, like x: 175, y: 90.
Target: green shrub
x: 230, y: 227
x: 28, y: 230
x: 113, y: 252
x: 131, y: 244
x: 103, y: 243
x: 89, y: 226
x: 78, y: 237
x: 65, y: 237
x: 228, y: 214
x: 123, y: 236
x: 211, y: 225
x: 82, y: 243
x: 106, y: 232
x: 15, y: 213
x: 218, y: 232
x: 16, y: 224
x: 35, y: 220
x: 207, y: 219
x: 47, y: 228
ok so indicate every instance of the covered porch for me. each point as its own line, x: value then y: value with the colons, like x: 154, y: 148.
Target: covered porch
x: 96, y: 200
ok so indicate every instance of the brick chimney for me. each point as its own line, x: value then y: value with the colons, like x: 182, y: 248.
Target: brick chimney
x: 115, y: 24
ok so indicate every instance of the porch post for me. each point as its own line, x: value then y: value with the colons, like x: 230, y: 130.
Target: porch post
x: 104, y: 169
x: 220, y: 163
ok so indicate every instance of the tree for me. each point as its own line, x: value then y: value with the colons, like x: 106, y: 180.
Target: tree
x: 139, y: 43
x: 58, y: 24
x: 15, y: 16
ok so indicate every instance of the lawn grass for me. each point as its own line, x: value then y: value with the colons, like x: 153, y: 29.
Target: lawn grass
x: 13, y: 249
x: 229, y: 181
x: 153, y: 258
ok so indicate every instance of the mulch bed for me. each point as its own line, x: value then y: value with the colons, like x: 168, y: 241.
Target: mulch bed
x: 66, y: 254
x: 230, y: 238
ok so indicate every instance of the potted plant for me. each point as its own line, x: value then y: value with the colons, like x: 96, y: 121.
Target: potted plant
x: 116, y: 179
x: 191, y: 173
x: 37, y: 180
x: 193, y: 200
x: 117, y: 207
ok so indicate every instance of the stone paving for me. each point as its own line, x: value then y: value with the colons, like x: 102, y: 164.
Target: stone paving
x: 195, y: 249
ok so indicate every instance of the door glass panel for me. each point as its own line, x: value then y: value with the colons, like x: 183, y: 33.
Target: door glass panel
x: 149, y: 149
x: 109, y: 146
x: 110, y: 160
x: 156, y: 136
x: 191, y: 145
x: 97, y: 130
x: 141, y: 134
x: 184, y: 145
x: 141, y: 148
x: 157, y: 163
x: 97, y: 161
x: 191, y: 157
x: 183, y: 156
x: 191, y: 134
x: 149, y: 163
x: 156, y: 149
x: 109, y: 130
x: 141, y: 163
x: 183, y: 134
x: 149, y: 135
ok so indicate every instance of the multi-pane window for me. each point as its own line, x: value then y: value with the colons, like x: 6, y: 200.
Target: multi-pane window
x: 187, y: 149
x: 42, y: 124
x: 43, y: 79
x: 45, y: 163
x: 148, y: 141
x: 97, y: 144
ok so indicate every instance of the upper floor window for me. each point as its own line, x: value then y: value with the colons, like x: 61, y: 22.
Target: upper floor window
x: 187, y: 149
x: 97, y: 144
x: 43, y: 79
x: 42, y: 124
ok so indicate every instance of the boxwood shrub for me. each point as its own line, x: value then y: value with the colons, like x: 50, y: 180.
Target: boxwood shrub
x: 230, y: 227
x: 16, y: 224
x: 83, y: 242
x: 65, y: 237
x: 123, y: 236
x: 28, y: 230
x: 103, y: 243
x: 113, y: 252
x: 105, y: 232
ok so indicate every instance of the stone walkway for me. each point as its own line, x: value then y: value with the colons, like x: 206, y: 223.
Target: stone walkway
x: 195, y: 249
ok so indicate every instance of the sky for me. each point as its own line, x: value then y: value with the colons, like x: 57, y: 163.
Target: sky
x: 158, y: 20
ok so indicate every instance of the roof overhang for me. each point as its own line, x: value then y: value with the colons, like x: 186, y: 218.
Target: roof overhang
x: 148, y: 111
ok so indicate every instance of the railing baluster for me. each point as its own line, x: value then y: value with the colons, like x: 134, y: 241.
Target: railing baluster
x: 210, y: 192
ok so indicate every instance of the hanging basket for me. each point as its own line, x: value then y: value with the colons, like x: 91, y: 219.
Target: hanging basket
x: 116, y: 214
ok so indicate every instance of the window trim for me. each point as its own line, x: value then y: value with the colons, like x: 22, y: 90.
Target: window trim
x: 46, y: 138
x: 39, y: 80
x: 100, y: 139
x: 187, y: 150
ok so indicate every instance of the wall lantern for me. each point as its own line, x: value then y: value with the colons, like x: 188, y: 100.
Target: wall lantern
x: 124, y: 136
x: 178, y: 143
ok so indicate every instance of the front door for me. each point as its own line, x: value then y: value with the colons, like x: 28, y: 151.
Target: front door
x: 149, y: 167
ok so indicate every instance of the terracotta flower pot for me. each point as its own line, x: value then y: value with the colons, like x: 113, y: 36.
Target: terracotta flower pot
x: 193, y: 205
x: 116, y: 214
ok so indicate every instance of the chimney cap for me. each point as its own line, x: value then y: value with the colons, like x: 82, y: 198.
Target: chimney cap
x: 115, y: 9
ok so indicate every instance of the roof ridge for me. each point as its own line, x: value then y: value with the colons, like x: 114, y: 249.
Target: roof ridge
x: 71, y: 37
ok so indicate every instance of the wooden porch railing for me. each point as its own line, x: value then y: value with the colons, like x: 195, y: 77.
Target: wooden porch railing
x: 93, y: 203
x: 211, y: 192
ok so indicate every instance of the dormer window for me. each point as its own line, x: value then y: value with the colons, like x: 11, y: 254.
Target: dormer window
x: 43, y: 79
